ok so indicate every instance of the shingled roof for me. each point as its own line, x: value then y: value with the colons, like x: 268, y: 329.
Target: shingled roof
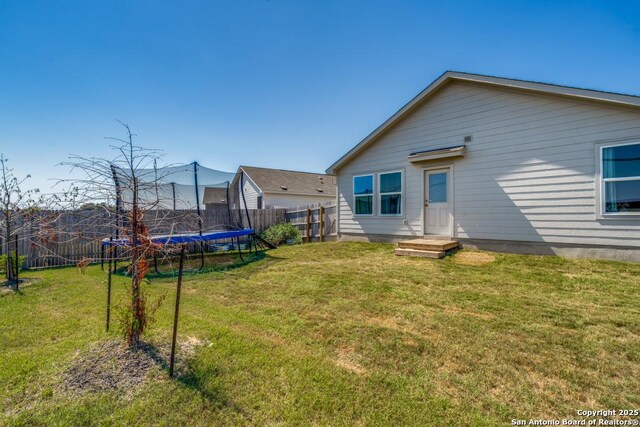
x: 291, y: 182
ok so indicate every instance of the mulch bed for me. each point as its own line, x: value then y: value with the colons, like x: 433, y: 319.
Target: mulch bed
x: 111, y: 365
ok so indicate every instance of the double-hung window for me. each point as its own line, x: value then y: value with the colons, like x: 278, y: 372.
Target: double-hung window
x: 620, y: 191
x: 363, y: 194
x: 390, y: 186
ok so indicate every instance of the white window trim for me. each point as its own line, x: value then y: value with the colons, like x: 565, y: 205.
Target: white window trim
x: 602, y: 180
x: 401, y: 193
x: 372, y: 195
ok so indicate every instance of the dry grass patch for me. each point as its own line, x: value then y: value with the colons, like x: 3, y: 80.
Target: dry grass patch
x: 473, y: 258
x: 348, y: 359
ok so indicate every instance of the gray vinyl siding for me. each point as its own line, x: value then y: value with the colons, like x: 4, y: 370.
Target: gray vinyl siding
x: 251, y: 193
x: 274, y: 200
x: 528, y: 175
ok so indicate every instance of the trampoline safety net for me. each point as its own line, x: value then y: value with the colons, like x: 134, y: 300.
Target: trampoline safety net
x: 172, y: 187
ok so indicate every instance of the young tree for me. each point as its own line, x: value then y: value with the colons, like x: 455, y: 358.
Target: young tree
x: 125, y: 188
x: 14, y: 203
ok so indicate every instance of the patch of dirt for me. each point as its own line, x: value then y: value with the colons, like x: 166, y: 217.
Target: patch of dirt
x: 473, y: 258
x: 110, y: 365
x: 349, y: 359
x: 7, y: 287
x: 190, y: 344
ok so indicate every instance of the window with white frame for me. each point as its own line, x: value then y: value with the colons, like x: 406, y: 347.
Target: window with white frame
x: 620, y: 189
x: 390, y: 192
x: 363, y: 194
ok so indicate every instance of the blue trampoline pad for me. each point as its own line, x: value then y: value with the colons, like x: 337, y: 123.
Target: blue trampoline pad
x: 175, y: 239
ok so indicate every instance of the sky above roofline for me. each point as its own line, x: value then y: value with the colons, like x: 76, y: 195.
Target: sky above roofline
x: 277, y: 84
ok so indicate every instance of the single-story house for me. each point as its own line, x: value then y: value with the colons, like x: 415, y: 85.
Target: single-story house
x: 277, y: 188
x: 501, y: 164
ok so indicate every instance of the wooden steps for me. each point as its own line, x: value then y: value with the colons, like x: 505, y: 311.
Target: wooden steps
x: 425, y: 248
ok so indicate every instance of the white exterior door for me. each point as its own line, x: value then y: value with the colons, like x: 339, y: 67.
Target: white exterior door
x: 437, y: 203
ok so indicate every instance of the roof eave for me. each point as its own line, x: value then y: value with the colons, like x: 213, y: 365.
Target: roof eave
x: 408, y: 107
x: 244, y: 173
x: 298, y: 194
x: 587, y: 94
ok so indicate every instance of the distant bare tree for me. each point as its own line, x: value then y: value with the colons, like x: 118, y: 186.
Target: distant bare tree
x: 14, y: 205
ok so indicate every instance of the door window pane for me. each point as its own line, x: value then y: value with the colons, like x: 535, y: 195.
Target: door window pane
x: 621, y: 162
x: 438, y: 187
x: 363, y: 184
x: 622, y: 196
x: 390, y: 204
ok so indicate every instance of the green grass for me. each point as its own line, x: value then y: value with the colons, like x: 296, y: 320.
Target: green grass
x: 342, y: 334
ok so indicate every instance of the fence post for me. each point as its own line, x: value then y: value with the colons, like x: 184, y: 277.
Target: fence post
x: 308, y: 225
x: 322, y: 223
x: 17, y: 263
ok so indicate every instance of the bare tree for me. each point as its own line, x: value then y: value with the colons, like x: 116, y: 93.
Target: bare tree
x: 14, y: 204
x: 124, y: 189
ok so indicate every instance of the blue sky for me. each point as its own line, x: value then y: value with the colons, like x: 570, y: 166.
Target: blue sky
x: 285, y: 84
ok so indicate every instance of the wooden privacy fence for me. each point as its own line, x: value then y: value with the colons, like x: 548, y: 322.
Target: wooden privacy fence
x: 60, y: 238
x: 317, y: 222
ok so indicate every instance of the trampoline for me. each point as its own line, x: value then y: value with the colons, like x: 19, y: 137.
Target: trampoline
x: 179, y: 240
x: 175, y: 239
x: 187, y: 238
x: 153, y: 189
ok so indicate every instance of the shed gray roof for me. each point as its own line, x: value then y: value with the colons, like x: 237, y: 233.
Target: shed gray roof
x: 291, y: 182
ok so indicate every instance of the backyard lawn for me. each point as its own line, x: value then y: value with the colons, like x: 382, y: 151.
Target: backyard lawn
x: 338, y: 334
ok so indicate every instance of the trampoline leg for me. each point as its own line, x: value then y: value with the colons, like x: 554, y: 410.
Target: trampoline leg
x: 102, y: 249
x: 175, y: 316
x: 201, y: 256
x: 155, y: 264
x: 239, y: 250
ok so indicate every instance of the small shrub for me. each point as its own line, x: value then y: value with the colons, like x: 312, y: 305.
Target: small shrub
x: 3, y: 261
x: 282, y: 233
